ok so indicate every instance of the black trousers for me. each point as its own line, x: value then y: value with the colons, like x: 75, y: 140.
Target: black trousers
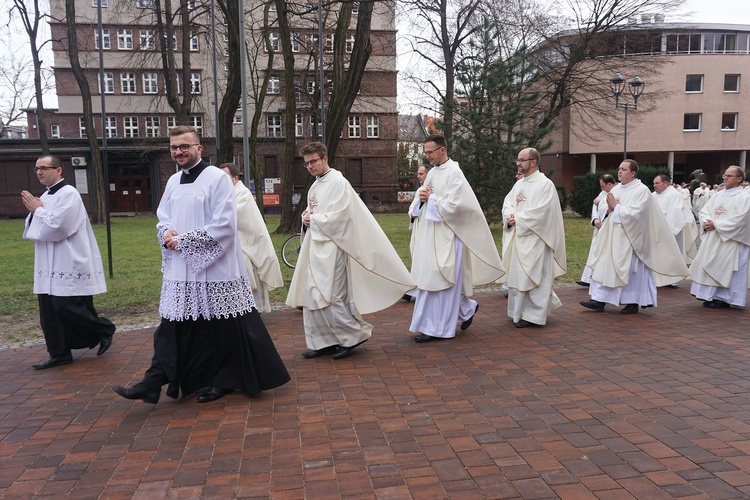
x: 71, y: 323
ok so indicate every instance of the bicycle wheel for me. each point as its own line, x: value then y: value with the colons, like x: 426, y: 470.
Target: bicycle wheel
x: 290, y: 250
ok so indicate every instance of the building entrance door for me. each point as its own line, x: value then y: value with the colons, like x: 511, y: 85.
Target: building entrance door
x: 130, y: 189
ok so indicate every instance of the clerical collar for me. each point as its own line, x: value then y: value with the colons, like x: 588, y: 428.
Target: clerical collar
x: 57, y: 186
x: 444, y: 163
x: 190, y: 175
x: 324, y: 174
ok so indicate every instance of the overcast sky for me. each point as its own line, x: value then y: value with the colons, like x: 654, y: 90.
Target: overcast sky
x: 719, y: 11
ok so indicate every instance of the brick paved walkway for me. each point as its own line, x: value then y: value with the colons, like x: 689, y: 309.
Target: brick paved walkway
x: 655, y: 405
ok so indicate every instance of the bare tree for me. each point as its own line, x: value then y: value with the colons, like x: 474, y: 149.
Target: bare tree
x: 98, y: 207
x: 31, y: 17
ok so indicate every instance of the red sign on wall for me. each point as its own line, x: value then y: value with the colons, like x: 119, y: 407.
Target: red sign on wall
x: 270, y: 200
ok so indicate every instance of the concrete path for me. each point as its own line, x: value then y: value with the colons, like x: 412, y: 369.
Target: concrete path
x: 595, y: 405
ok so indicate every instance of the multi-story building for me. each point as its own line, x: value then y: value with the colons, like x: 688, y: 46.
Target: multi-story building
x: 700, y: 119
x: 138, y: 117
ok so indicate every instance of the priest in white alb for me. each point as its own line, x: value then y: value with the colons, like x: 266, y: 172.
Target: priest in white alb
x: 347, y: 267
x: 635, y: 251
x: 453, y: 252
x: 677, y: 211
x: 720, y: 270
x: 263, y: 270
x: 598, y: 216
x: 533, y: 244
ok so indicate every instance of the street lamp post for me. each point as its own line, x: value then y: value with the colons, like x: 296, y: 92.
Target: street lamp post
x: 635, y: 86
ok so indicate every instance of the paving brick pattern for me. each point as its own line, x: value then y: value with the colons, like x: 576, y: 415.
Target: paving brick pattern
x: 595, y: 405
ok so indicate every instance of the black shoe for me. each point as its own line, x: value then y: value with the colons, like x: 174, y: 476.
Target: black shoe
x: 466, y: 324
x: 594, y: 305
x: 138, y: 392
x: 422, y: 338
x: 407, y: 297
x: 320, y: 352
x: 629, y: 309
x: 344, y: 351
x: 526, y: 324
x: 54, y: 361
x: 582, y: 283
x: 212, y: 394
x: 104, y: 344
x: 717, y: 304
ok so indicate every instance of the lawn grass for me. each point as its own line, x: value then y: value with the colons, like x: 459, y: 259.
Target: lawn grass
x: 133, y: 291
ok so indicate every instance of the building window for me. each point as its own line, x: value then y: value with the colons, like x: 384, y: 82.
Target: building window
x: 299, y: 125
x: 130, y: 126
x: 105, y: 37
x: 238, y: 115
x: 150, y: 83
x: 355, y: 129
x: 81, y: 127
x: 109, y: 83
x: 195, y: 83
x: 127, y: 83
x: 274, y: 85
x: 315, y: 128
x: 273, y: 38
x: 54, y: 131
x: 373, y: 127
x: 197, y: 123
x: 310, y: 86
x: 731, y: 83
x: 693, y: 83
x: 355, y: 7
x: 110, y: 127
x: 145, y: 4
x: 125, y: 39
x: 153, y: 126
x: 147, y: 39
x: 297, y: 91
x: 692, y: 122
x: 95, y: 3
x: 350, y: 43
x: 295, y: 42
x: 729, y: 122
x: 171, y: 122
x: 194, y: 45
x: 719, y: 43
x: 274, y: 128
x: 328, y: 41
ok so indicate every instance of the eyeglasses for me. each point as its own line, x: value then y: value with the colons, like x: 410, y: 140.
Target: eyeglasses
x: 37, y: 169
x: 521, y: 160
x: 311, y: 162
x: 181, y: 147
x: 429, y: 152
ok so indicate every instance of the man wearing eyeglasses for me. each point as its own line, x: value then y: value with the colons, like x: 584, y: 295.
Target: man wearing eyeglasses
x: 676, y: 209
x: 211, y: 334
x: 533, y: 243
x: 720, y: 270
x: 633, y: 254
x: 67, y: 268
x: 347, y: 267
x: 455, y: 248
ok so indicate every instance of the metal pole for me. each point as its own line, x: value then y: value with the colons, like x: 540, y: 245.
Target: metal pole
x: 625, y: 145
x: 243, y: 73
x: 105, y: 157
x: 321, y: 74
x: 216, y: 87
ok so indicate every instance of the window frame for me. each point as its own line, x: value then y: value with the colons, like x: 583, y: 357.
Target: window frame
x: 152, y: 126
x: 685, y: 122
x: 732, y: 114
x: 687, y: 83
x: 128, y: 83
x: 373, y: 127
x: 354, y: 127
x: 130, y: 129
x: 124, y: 39
x: 737, y: 79
x: 275, y: 129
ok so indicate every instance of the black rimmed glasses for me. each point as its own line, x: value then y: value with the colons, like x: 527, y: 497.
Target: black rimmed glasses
x: 429, y: 152
x: 37, y: 169
x: 521, y: 160
x: 311, y: 162
x: 182, y: 147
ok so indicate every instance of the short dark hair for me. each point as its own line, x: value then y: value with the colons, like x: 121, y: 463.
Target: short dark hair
x: 437, y: 139
x: 54, y: 160
x: 663, y: 178
x: 234, y: 170
x: 608, y: 179
x: 632, y: 165
x: 314, y: 148
x: 426, y: 166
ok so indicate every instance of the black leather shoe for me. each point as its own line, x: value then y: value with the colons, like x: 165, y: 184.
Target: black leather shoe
x: 582, y: 283
x: 466, y: 324
x: 212, y: 394
x: 344, y: 351
x: 594, y: 305
x: 104, y: 343
x: 407, y: 297
x: 629, y: 309
x: 422, y: 338
x: 320, y: 352
x: 717, y: 304
x: 138, y: 392
x: 54, y: 361
x: 526, y: 324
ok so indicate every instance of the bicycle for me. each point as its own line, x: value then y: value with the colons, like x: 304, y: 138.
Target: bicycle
x: 290, y: 250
